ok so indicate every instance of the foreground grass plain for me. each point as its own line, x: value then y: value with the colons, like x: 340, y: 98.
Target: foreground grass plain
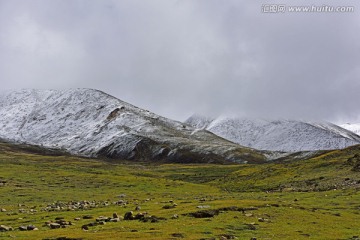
x: 316, y: 198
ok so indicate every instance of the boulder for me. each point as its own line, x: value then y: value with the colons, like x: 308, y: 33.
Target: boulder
x: 129, y: 216
x: 204, y: 214
x: 23, y: 228
x: 4, y: 228
x: 54, y: 225
x: 114, y: 220
x: 31, y: 228
x: 175, y: 216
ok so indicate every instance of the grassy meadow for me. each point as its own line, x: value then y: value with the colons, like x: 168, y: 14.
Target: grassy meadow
x: 316, y: 198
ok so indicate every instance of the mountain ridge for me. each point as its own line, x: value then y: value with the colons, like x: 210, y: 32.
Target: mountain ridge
x: 277, y: 135
x: 89, y: 122
x: 354, y: 127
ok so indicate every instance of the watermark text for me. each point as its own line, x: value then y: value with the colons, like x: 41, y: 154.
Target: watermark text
x: 283, y: 8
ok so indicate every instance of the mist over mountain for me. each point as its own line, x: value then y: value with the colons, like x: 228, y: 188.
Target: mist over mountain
x: 354, y: 127
x: 277, y: 135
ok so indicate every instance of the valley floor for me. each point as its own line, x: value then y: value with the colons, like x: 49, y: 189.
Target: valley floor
x: 317, y: 198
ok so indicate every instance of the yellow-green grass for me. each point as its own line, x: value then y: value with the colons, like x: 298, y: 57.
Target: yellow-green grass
x: 309, y: 199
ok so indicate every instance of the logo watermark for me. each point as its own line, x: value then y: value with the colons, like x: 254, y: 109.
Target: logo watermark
x: 283, y: 8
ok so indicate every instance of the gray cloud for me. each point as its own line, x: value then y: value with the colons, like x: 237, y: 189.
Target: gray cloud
x: 180, y: 57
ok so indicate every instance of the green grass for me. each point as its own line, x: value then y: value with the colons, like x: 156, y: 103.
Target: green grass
x: 316, y: 198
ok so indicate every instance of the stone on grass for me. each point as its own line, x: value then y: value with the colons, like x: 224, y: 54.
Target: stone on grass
x: 54, y: 225
x: 4, y: 228
x: 129, y: 216
x: 31, y: 228
x: 178, y: 235
x: 204, y: 214
x: 23, y: 228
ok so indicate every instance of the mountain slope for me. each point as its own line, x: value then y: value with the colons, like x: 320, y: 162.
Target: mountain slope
x: 91, y: 123
x: 279, y: 135
x: 353, y: 127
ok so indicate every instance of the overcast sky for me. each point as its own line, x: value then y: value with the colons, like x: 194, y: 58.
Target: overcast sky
x: 179, y: 57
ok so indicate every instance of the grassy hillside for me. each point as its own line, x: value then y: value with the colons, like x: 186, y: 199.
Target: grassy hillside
x: 316, y: 198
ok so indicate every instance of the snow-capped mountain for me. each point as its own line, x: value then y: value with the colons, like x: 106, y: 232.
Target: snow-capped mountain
x: 91, y: 123
x: 354, y: 127
x: 278, y: 135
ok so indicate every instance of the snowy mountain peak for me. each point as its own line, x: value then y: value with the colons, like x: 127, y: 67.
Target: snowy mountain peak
x: 353, y: 127
x: 92, y: 123
x: 279, y: 135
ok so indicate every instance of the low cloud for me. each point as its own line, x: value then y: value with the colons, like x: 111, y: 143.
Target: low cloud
x: 176, y: 58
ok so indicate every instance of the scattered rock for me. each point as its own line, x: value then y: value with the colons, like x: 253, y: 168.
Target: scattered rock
x: 204, y: 214
x: 237, y: 209
x: 152, y: 219
x: 92, y: 224
x: 2, y: 182
x: 28, y: 228
x: 115, y: 215
x: 169, y: 206
x: 102, y: 219
x: 203, y: 206
x: 115, y: 219
x: 23, y: 228
x: 31, y: 228
x: 54, y: 225
x: 120, y: 202
x: 4, y: 228
x: 178, y: 235
x: 3, y: 210
x: 263, y: 220
x: 137, y: 208
x: 129, y: 216
x: 88, y: 217
x: 175, y: 216
x: 134, y: 230
x: 227, y: 236
x: 77, y: 219
x: 139, y: 216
